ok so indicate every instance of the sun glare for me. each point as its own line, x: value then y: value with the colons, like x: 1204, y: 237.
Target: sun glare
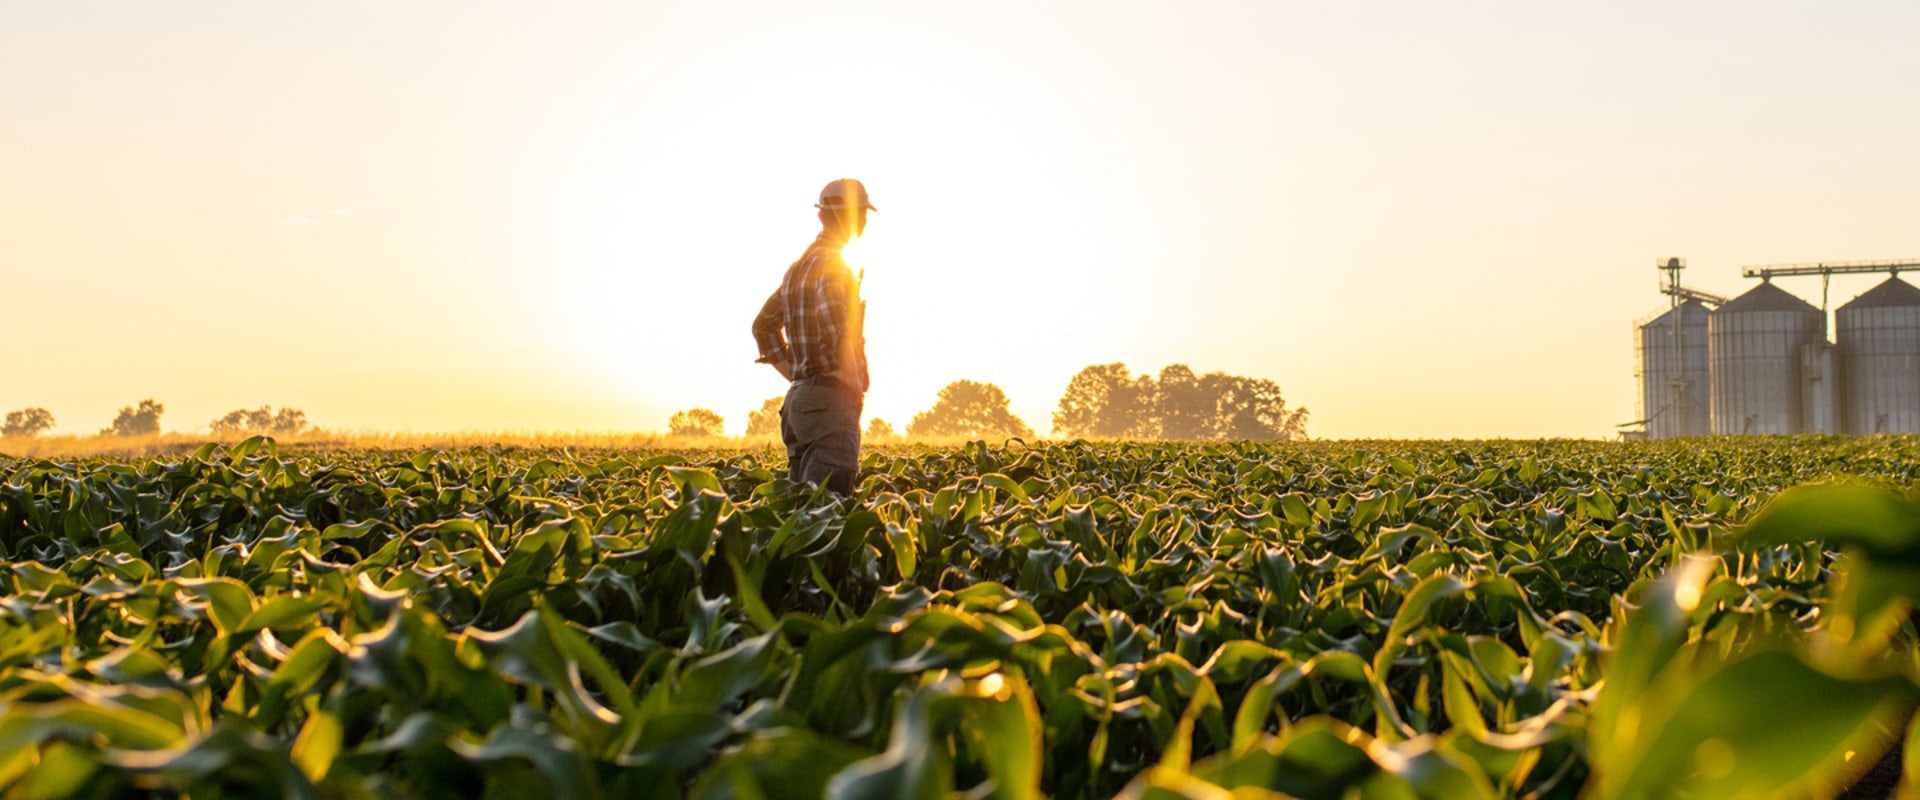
x: 677, y: 224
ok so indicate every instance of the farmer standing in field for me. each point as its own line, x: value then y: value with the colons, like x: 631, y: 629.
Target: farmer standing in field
x: 811, y: 330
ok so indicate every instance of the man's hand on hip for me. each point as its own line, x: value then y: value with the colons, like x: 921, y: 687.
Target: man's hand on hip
x: 784, y: 366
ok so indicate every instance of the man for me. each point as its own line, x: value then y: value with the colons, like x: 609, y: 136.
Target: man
x: 811, y: 330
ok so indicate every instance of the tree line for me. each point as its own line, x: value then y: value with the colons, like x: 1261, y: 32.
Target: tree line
x: 1102, y: 401
x: 143, y: 419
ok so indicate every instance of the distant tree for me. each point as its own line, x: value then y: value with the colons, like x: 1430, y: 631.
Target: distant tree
x: 1103, y: 400
x: 241, y: 421
x: 289, y: 420
x: 1252, y: 408
x: 766, y: 421
x: 1186, y: 407
x: 260, y: 421
x: 971, y: 409
x: 879, y: 430
x: 141, y: 421
x: 696, y: 422
x: 27, y: 422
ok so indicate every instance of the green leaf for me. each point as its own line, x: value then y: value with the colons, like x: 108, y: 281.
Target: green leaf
x: 780, y: 764
x: 717, y: 679
x: 58, y: 770
x: 1413, y: 614
x: 1599, y: 505
x: 419, y: 731
x: 280, y: 613
x: 1296, y: 511
x: 555, y: 759
x: 911, y: 768
x: 1003, y: 729
x: 905, y: 550
x: 248, y: 762
x: 1235, y: 661
x: 1392, y: 539
x: 318, y: 743
x: 1318, y: 758
x: 695, y: 481
x: 121, y: 726
x: 1883, y: 524
x: 1249, y: 721
x: 532, y: 652
x: 748, y: 591
x: 689, y: 530
x: 626, y: 634
x: 1641, y: 648
x: 228, y: 601
x: 677, y: 738
x: 1721, y: 734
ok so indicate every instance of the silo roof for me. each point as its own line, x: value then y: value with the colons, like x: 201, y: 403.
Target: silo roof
x: 1766, y: 297
x: 1689, y: 310
x: 1892, y: 292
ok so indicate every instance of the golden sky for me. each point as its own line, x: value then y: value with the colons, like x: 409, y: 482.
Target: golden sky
x: 1420, y: 219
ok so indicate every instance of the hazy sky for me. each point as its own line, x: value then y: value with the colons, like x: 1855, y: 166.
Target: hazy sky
x: 1420, y: 219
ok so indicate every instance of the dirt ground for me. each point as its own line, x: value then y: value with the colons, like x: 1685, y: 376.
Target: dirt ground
x: 1880, y: 782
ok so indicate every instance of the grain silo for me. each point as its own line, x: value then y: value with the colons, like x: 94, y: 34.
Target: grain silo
x: 1819, y: 387
x: 1674, y: 378
x: 1755, y: 346
x: 1879, y: 343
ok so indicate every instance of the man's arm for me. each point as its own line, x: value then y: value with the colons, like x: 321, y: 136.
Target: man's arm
x: 768, y: 333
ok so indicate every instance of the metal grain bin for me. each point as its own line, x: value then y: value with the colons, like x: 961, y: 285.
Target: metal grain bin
x: 1879, y: 341
x: 1819, y: 389
x: 1754, y: 346
x: 1674, y: 378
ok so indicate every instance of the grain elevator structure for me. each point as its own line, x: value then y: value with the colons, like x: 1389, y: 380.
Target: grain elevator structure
x: 1879, y: 346
x: 1762, y: 362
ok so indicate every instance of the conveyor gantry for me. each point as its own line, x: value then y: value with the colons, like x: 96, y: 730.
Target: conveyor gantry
x: 1826, y: 271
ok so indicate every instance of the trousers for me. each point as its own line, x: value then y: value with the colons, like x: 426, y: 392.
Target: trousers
x: 820, y: 425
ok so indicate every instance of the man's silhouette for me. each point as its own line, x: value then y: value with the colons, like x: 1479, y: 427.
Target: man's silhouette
x: 811, y: 330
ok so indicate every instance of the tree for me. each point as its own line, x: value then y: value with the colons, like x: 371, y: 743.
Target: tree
x: 241, y: 421
x: 696, y: 422
x: 142, y: 421
x: 27, y: 422
x: 289, y: 420
x: 1186, y: 407
x: 766, y: 421
x: 1103, y: 400
x: 259, y: 421
x: 1252, y: 408
x: 970, y: 409
x: 879, y: 430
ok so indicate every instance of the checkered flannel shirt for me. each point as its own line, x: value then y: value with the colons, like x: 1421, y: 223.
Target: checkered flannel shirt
x: 814, y: 318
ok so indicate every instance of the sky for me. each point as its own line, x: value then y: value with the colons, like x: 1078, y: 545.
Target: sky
x: 1418, y: 219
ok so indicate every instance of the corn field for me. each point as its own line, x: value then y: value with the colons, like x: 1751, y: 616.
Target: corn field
x: 1070, y: 620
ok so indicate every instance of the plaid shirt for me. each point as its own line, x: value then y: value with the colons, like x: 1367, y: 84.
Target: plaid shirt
x: 814, y: 321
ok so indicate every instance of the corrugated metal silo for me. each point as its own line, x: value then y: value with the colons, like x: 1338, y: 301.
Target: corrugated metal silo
x: 1754, y: 347
x: 1819, y: 389
x: 1879, y: 341
x: 1674, y: 379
